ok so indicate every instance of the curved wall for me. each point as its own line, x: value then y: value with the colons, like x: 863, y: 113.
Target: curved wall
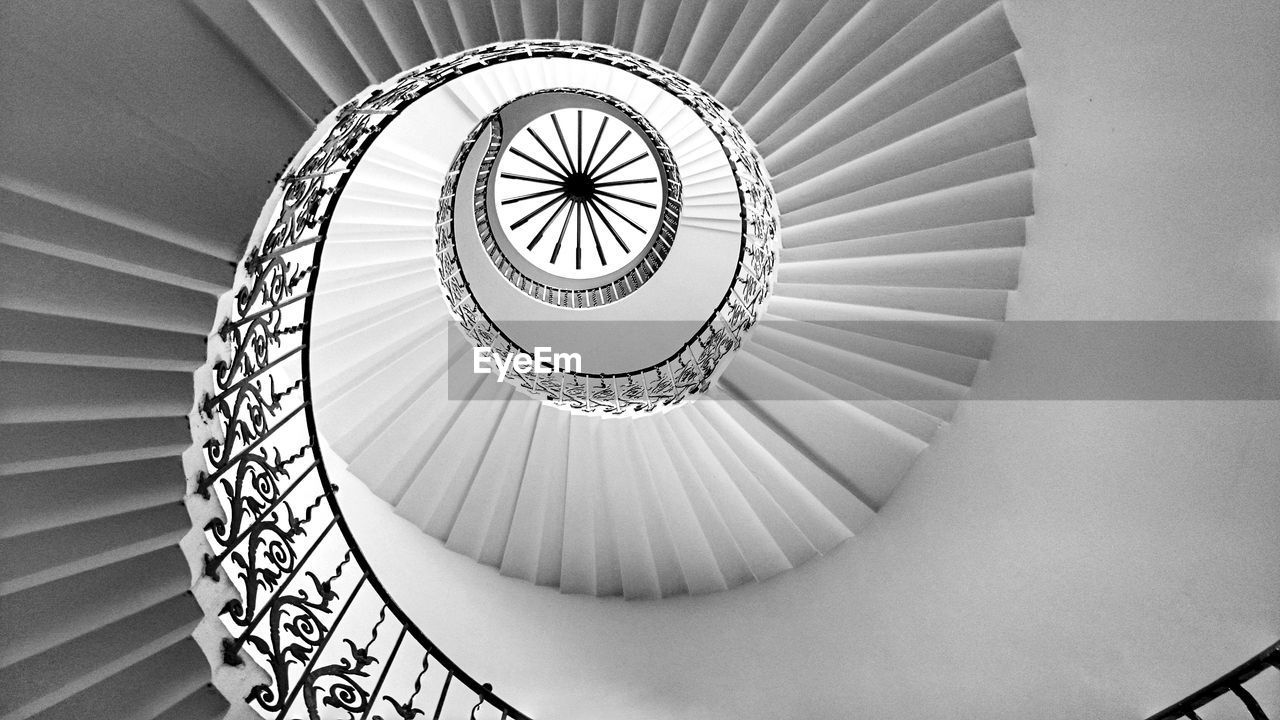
x: 1045, y: 558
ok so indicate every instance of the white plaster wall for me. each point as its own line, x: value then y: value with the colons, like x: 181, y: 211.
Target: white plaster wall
x: 1043, y: 559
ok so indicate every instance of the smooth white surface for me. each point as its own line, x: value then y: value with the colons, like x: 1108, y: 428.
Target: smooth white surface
x: 1043, y: 559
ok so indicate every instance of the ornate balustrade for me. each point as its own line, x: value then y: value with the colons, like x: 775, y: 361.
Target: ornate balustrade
x: 276, y: 562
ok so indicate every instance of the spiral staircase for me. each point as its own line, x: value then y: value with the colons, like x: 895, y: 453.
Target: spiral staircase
x: 899, y: 143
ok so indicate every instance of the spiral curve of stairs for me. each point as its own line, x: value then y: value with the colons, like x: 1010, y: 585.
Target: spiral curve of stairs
x: 898, y: 139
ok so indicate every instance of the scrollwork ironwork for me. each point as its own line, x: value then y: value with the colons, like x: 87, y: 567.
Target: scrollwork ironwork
x: 275, y: 529
x: 691, y: 368
x: 278, y: 536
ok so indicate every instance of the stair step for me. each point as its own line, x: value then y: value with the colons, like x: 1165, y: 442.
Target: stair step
x: 961, y: 303
x: 374, y: 279
x: 753, y: 438
x: 786, y: 25
x: 33, y: 443
x: 751, y: 534
x: 353, y: 419
x: 45, y: 284
x: 204, y: 703
x: 344, y: 276
x: 598, y: 21
x: 651, y: 33
x: 627, y: 24
x: 865, y: 338
x: 638, y: 546
x: 932, y: 50
x: 253, y: 38
x: 534, y: 547
x: 481, y: 528
x: 40, y: 501
x: 367, y: 192
x: 39, y: 557
x: 356, y: 211
x: 994, y: 91
x: 870, y: 454
x: 402, y: 30
x: 441, y: 486
x: 995, y: 123
x: 33, y: 219
x: 983, y: 268
x: 568, y: 20
x: 343, y: 325
x: 966, y: 337
x: 709, y: 34
x: 164, y: 181
x: 310, y: 38
x: 140, y: 691
x: 681, y: 32
x: 909, y: 407
x: 584, y: 551
x: 811, y: 46
x: 50, y: 677
x: 794, y: 535
x: 476, y: 24
x: 1008, y: 196
x: 842, y: 50
x: 71, y: 341
x: 338, y: 373
x: 438, y: 22
x: 1003, y: 160
x: 919, y: 390
x: 748, y: 23
x: 362, y: 37
x: 703, y: 546
x: 393, y: 459
x: 48, y: 615
x: 51, y: 393
x: 659, y: 516
x: 408, y: 287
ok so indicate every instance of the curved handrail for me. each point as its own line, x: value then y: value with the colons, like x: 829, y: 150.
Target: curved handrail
x: 691, y: 368
x: 306, y: 606
x: 1233, y: 683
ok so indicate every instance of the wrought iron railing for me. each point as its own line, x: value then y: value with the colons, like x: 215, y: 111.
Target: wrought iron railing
x: 690, y: 369
x: 307, y: 609
x: 651, y: 250
x: 304, y: 605
x: 1233, y: 683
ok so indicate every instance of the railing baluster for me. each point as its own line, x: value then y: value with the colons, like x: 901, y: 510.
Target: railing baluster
x: 234, y: 542
x: 444, y: 691
x: 324, y: 642
x: 271, y: 285
x: 265, y: 369
x: 254, y: 445
x: 1250, y: 704
x: 386, y: 667
x: 1232, y: 682
x: 293, y: 574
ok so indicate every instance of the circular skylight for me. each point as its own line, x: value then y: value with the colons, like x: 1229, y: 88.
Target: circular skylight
x: 578, y: 193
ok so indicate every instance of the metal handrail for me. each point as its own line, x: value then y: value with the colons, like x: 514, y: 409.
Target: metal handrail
x: 1232, y: 682
x: 306, y: 606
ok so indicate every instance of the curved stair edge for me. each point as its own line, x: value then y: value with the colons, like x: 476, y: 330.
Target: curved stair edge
x: 234, y: 676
